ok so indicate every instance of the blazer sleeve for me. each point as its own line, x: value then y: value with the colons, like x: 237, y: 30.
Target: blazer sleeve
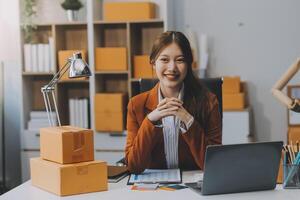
x: 199, y: 138
x: 140, y: 141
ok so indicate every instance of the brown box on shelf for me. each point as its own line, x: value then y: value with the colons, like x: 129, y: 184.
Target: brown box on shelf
x: 231, y: 85
x: 293, y: 134
x: 110, y: 102
x: 68, y: 179
x: 110, y: 111
x: 110, y: 121
x: 63, y: 56
x: 122, y: 11
x: 142, y: 68
x: 233, y: 101
x: 67, y: 144
x: 111, y: 59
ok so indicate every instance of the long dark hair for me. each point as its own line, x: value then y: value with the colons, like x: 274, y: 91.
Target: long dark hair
x: 195, y: 94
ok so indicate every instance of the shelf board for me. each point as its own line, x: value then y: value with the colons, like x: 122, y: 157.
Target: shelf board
x: 63, y: 23
x: 73, y: 81
x: 124, y: 22
x: 37, y: 73
x: 111, y: 72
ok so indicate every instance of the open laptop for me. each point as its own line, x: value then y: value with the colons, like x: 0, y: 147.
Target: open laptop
x: 239, y: 168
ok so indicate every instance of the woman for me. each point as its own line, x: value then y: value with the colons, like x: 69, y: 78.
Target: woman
x: 171, y: 125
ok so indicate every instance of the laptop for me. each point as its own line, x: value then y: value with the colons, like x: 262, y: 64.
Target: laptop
x: 239, y: 168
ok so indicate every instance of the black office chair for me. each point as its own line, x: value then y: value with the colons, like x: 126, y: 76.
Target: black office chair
x: 214, y: 85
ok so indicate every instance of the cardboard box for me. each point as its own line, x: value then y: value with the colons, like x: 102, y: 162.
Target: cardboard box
x: 67, y: 144
x: 110, y: 102
x: 233, y: 101
x: 231, y: 85
x: 110, y: 121
x: 63, y: 56
x: 142, y: 67
x: 68, y: 179
x: 293, y: 134
x: 126, y: 11
x: 111, y: 59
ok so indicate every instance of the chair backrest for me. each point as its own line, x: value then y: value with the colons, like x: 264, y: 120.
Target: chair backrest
x: 214, y: 85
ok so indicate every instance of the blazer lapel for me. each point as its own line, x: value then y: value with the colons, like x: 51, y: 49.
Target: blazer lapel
x: 152, y: 99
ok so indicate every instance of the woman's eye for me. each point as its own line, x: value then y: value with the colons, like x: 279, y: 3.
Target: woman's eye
x: 164, y: 59
x: 181, y: 60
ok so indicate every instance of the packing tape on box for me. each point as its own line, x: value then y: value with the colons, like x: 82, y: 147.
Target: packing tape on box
x: 82, y: 170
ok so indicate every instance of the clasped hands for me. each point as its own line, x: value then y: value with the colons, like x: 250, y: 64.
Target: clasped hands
x: 170, y: 107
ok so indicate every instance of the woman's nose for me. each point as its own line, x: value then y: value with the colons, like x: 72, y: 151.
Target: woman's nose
x: 172, y: 65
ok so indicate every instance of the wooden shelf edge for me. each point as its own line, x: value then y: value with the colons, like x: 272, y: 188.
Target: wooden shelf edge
x: 73, y: 81
x: 130, y: 22
x: 62, y: 23
x: 37, y: 73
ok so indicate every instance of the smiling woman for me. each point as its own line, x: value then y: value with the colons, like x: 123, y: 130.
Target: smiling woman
x: 171, y: 125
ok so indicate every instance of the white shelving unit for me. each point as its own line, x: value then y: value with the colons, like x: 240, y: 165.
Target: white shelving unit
x: 87, y: 34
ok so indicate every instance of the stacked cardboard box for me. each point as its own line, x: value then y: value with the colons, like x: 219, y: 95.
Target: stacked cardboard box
x: 110, y: 111
x: 115, y: 11
x: 233, y: 95
x: 67, y: 165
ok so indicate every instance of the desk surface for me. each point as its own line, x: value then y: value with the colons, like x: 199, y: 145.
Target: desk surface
x: 121, y: 191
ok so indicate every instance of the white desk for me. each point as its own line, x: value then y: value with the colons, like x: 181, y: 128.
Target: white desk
x: 120, y: 191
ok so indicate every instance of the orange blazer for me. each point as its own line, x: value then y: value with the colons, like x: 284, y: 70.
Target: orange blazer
x: 145, y: 142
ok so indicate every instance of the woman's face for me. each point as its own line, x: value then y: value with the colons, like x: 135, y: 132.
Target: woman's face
x: 170, y: 67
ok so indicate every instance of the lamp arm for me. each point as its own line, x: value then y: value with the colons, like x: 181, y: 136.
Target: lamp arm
x: 281, y: 83
x: 57, y: 76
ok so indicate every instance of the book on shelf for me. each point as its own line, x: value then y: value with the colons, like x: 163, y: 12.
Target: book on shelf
x: 27, y: 58
x: 38, y: 58
x: 52, y: 55
x: 34, y: 57
x: 78, y: 112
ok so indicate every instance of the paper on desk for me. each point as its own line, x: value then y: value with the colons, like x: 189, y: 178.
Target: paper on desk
x: 157, y: 176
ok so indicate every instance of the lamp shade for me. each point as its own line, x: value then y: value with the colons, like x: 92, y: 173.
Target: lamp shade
x: 78, y: 67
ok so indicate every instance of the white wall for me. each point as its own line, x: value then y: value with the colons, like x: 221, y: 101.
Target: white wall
x: 10, y: 56
x: 9, y: 30
x: 255, y: 39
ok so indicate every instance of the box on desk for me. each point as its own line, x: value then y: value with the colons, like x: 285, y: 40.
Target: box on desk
x: 142, y: 67
x: 67, y: 144
x: 114, y: 11
x: 63, y: 56
x: 233, y: 101
x: 111, y: 58
x: 231, y: 85
x: 70, y: 178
